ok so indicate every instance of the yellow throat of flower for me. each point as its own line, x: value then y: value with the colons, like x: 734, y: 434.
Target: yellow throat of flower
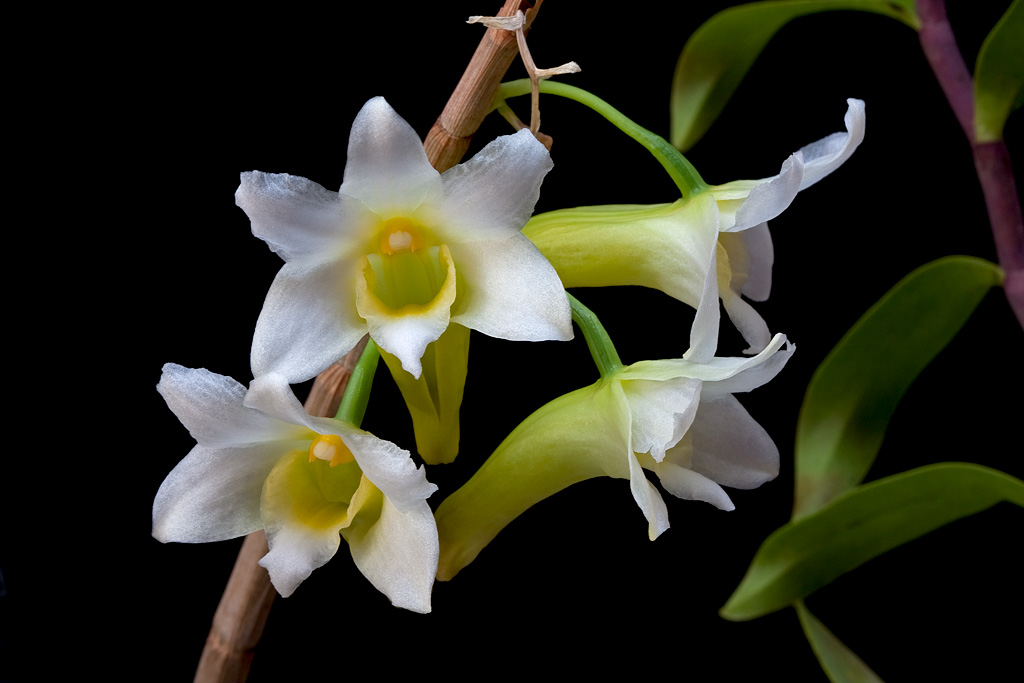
x: 314, y: 487
x: 407, y: 272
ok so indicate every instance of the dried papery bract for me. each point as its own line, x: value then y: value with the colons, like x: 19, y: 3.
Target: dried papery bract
x: 535, y: 74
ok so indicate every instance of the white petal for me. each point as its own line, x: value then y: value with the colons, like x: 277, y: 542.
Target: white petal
x: 299, y: 218
x: 706, y: 321
x: 492, y: 195
x: 751, y: 255
x: 828, y: 154
x: 747, y: 320
x: 214, y: 493
x: 771, y: 197
x: 511, y: 291
x: 398, y: 554
x: 295, y: 552
x: 308, y: 320
x: 210, y: 407
x: 745, y: 266
x: 387, y: 466
x: 648, y: 498
x: 689, y: 485
x: 407, y: 337
x: 271, y: 395
x: 661, y: 412
x: 387, y: 169
x: 720, y: 374
x: 750, y: 373
x: 730, y: 447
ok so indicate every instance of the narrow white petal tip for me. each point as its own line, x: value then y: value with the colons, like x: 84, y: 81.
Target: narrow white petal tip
x: 831, y: 152
x: 769, y: 199
x: 375, y: 105
x: 720, y: 499
x: 295, y: 553
x: 284, y: 579
x: 413, y: 366
x: 855, y: 111
x: 406, y: 341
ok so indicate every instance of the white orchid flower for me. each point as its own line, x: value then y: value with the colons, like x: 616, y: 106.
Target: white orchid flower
x: 401, y: 251
x: 664, y: 245
x: 677, y: 418
x: 261, y: 462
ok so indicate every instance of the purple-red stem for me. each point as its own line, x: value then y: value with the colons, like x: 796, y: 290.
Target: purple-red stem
x: 991, y: 159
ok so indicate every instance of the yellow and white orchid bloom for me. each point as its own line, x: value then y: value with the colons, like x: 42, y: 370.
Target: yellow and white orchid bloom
x: 401, y: 251
x: 664, y: 246
x: 677, y: 418
x: 261, y: 462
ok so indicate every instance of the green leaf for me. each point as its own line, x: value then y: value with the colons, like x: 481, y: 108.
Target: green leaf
x: 721, y: 51
x: 855, y: 390
x: 999, y: 75
x: 839, y: 663
x: 806, y: 554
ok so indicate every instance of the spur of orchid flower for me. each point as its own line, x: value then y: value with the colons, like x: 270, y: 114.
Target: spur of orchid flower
x: 401, y: 251
x: 261, y: 462
x: 677, y: 418
x: 665, y: 246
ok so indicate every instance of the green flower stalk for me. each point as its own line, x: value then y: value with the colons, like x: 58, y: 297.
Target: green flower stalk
x: 675, y: 164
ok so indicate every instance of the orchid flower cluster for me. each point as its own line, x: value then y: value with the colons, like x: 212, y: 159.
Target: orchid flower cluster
x: 416, y: 259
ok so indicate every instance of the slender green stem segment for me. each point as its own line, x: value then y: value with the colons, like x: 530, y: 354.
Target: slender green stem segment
x: 682, y: 172
x: 357, y: 393
x: 600, y: 344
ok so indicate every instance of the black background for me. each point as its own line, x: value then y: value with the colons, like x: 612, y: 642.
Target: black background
x: 156, y: 264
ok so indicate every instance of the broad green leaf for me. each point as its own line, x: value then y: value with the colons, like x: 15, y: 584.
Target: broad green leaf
x: 839, y: 663
x: 721, y: 51
x: 806, y: 554
x: 855, y: 390
x: 999, y: 75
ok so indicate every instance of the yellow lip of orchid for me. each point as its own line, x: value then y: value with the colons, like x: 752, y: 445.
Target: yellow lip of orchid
x: 401, y: 251
x: 665, y: 246
x: 261, y: 462
x: 401, y: 295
